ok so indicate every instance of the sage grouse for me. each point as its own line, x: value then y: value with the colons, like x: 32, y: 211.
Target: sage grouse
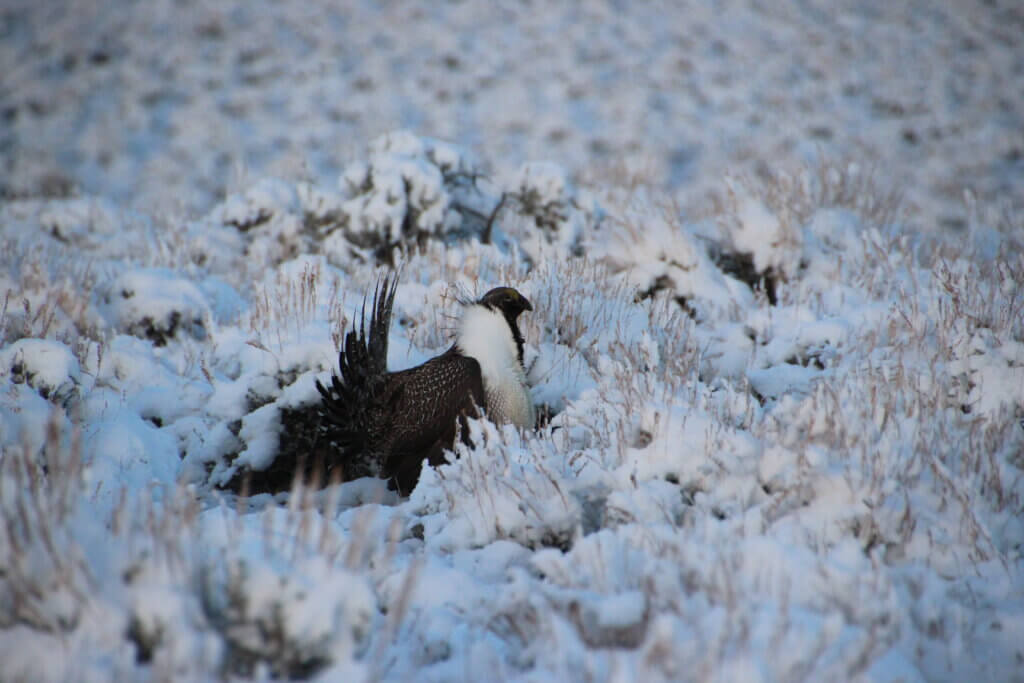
x: 386, y: 423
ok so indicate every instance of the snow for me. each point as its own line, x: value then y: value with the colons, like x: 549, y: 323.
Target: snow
x: 760, y: 234
x: 47, y: 366
x: 156, y: 303
x: 782, y: 416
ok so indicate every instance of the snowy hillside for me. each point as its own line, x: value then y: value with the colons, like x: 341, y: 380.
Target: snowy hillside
x: 784, y: 407
x: 166, y: 105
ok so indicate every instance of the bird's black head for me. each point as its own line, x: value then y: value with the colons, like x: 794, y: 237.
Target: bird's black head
x: 507, y: 300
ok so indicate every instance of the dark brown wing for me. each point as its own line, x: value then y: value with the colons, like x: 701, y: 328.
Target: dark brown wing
x: 385, y: 423
x: 426, y: 403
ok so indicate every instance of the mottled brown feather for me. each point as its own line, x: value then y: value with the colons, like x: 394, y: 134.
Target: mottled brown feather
x: 386, y: 423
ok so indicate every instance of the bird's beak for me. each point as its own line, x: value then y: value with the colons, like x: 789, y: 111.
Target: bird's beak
x: 527, y: 306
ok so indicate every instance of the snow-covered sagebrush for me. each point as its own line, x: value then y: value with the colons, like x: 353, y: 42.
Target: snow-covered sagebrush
x: 781, y: 441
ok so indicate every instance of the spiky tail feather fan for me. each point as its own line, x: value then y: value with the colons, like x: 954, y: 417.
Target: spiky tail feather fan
x: 352, y: 405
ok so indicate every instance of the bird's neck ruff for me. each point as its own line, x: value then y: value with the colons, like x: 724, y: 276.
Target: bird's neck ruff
x: 495, y: 342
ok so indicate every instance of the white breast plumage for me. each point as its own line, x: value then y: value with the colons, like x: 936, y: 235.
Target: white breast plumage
x: 484, y: 334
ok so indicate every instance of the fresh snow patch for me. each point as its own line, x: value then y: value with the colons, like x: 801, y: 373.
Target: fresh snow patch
x: 47, y: 366
x: 156, y: 303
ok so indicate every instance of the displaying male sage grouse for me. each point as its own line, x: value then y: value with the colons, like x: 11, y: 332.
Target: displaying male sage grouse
x: 386, y: 423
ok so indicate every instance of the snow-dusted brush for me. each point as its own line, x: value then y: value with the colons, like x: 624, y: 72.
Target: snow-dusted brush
x: 386, y: 423
x: 782, y: 440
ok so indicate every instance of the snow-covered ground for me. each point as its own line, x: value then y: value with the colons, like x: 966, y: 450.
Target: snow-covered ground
x: 786, y: 435
x: 167, y: 105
